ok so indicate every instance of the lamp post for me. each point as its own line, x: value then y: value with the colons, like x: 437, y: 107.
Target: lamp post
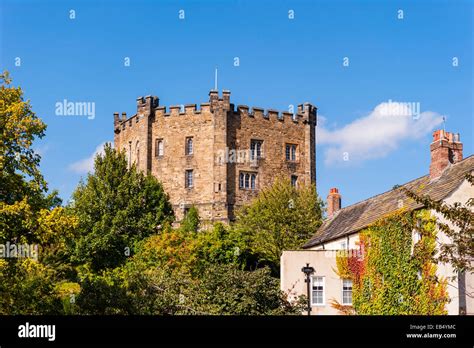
x: 307, y: 270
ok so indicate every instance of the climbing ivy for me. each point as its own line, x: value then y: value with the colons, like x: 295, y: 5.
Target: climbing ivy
x: 391, y: 275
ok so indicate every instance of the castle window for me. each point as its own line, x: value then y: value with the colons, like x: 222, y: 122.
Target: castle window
x: 189, y: 182
x: 255, y: 149
x: 253, y: 178
x: 290, y: 152
x: 248, y: 181
x: 294, y: 180
x: 159, y: 148
x: 189, y: 146
x: 137, y: 154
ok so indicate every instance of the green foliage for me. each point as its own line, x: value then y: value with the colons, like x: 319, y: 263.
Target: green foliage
x: 27, y: 287
x: 193, y: 252
x: 225, y: 289
x: 20, y: 176
x: 392, y: 276
x: 135, y: 288
x: 458, y: 227
x: 282, y: 217
x: 116, y: 207
x: 191, y: 220
x: 28, y: 215
x: 67, y: 293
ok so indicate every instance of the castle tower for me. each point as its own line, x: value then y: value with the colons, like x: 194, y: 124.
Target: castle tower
x: 217, y: 157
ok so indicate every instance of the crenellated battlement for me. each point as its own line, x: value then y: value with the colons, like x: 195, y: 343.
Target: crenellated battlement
x: 149, y: 107
x: 306, y: 112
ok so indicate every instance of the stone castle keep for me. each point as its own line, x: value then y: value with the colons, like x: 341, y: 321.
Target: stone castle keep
x: 219, y: 156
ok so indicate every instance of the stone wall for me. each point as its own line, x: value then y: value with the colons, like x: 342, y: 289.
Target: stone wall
x: 219, y: 132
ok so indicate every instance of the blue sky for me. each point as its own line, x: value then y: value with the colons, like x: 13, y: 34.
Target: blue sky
x: 283, y: 62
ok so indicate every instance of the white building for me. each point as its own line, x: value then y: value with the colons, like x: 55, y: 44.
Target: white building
x: 446, y: 182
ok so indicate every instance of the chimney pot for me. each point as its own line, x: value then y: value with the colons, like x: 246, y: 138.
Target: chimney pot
x: 333, y: 202
x: 446, y: 149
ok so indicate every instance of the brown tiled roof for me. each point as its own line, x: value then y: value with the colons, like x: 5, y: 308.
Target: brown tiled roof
x: 355, y: 217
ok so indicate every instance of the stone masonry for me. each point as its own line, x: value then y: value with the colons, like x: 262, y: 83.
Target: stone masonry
x: 217, y: 158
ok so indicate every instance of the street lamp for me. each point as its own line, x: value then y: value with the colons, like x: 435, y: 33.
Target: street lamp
x: 307, y: 270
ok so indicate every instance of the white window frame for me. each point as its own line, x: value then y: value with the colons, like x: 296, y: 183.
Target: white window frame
x: 342, y: 292
x: 248, y: 181
x: 324, y: 291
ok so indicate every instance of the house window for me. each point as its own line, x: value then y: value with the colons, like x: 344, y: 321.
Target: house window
x: 346, y: 292
x: 255, y: 149
x: 189, y: 146
x: 248, y: 181
x: 159, y: 148
x: 189, y: 179
x: 294, y: 179
x: 317, y: 291
x: 290, y: 152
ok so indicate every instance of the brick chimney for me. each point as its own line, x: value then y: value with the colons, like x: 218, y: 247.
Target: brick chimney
x: 446, y: 149
x: 333, y: 201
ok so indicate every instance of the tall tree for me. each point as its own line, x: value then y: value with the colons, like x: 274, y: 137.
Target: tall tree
x: 282, y: 217
x: 30, y: 219
x: 116, y: 207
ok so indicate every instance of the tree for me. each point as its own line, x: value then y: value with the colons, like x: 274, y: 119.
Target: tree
x: 227, y: 290
x: 116, y: 207
x: 137, y: 288
x: 30, y: 218
x: 282, y: 217
x: 459, y: 251
x: 22, y: 187
x: 191, y: 220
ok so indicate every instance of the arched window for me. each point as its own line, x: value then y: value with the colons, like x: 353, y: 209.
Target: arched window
x: 247, y: 179
x: 241, y: 180
x: 252, y: 181
x: 189, y: 146
x: 159, y: 148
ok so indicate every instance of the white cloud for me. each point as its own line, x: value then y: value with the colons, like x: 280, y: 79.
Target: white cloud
x: 86, y: 165
x: 376, y: 134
